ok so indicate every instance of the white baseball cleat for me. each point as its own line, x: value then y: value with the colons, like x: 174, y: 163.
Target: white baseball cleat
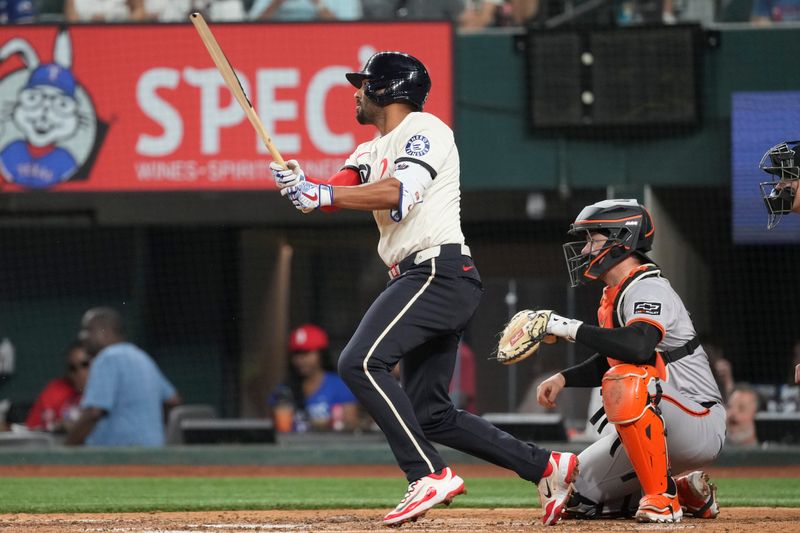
x: 425, y: 493
x: 555, y: 487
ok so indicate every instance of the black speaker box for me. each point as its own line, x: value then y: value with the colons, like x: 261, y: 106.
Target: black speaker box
x: 633, y: 81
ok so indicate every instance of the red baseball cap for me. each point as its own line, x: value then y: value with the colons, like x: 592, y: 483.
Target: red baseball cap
x: 307, y: 338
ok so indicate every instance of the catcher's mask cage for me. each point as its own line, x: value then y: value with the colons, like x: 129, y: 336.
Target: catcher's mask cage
x: 393, y: 77
x: 780, y: 161
x: 626, y: 224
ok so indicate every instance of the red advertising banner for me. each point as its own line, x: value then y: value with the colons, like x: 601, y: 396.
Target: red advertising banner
x: 142, y: 107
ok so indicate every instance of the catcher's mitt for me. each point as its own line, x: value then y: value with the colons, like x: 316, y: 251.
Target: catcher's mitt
x: 522, y: 336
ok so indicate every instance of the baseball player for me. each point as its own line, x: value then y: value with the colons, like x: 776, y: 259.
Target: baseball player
x: 780, y: 195
x: 409, y: 178
x: 657, y: 386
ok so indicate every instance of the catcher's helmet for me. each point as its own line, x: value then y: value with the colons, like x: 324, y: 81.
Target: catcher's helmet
x: 782, y: 161
x: 393, y: 77
x: 629, y: 229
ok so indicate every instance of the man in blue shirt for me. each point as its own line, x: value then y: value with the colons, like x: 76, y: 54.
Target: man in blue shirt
x: 124, y: 400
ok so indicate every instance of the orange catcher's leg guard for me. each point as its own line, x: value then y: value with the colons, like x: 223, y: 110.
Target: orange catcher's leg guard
x: 639, y: 424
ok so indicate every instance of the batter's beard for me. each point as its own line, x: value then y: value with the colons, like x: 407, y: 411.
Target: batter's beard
x: 366, y: 111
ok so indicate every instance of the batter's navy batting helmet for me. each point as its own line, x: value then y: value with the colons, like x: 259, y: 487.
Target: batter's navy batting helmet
x: 393, y: 77
x: 629, y: 229
x: 783, y: 161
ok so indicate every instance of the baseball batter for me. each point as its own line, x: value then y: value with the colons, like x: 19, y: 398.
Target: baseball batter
x: 657, y: 386
x: 409, y: 178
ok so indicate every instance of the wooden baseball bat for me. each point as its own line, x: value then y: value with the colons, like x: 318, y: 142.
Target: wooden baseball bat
x: 233, y: 83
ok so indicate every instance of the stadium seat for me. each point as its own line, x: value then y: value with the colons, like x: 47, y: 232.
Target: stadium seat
x: 174, y: 433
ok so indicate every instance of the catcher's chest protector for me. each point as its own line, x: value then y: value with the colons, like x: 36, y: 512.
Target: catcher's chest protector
x: 609, y: 314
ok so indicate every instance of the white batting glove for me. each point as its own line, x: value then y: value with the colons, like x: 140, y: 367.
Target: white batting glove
x: 287, y: 177
x: 566, y: 328
x: 307, y: 196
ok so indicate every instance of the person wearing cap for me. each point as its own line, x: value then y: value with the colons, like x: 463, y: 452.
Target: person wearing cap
x: 315, y: 394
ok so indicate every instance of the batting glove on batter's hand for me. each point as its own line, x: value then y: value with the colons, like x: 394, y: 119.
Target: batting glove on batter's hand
x: 566, y: 328
x: 287, y: 177
x: 307, y: 196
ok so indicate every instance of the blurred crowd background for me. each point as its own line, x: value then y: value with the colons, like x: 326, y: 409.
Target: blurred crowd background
x: 467, y: 14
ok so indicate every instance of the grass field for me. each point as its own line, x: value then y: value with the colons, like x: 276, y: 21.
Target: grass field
x: 131, y: 494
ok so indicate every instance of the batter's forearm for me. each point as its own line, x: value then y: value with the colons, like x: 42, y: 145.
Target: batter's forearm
x: 383, y: 194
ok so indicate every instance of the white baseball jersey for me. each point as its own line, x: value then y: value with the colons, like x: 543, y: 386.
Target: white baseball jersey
x: 420, y: 139
x: 653, y: 300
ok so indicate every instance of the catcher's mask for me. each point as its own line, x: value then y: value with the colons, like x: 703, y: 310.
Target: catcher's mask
x: 628, y: 228
x: 778, y: 194
x: 393, y: 77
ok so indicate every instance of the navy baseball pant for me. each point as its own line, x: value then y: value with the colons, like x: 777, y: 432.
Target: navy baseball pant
x: 419, y: 318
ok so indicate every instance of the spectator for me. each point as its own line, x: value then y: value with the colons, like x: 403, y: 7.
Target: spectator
x: 769, y: 11
x: 313, y: 397
x: 721, y: 368
x: 57, y: 406
x: 17, y: 11
x: 523, y: 11
x: 412, y: 9
x: 484, y: 13
x: 179, y: 10
x: 702, y: 11
x: 742, y: 409
x: 167, y: 10
x: 305, y: 10
x: 795, y: 367
x: 126, y: 395
x: 104, y: 10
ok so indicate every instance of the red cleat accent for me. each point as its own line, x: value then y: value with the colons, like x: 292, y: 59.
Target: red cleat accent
x: 425, y: 493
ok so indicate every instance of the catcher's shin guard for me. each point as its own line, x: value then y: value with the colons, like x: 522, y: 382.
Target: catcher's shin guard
x: 638, y: 421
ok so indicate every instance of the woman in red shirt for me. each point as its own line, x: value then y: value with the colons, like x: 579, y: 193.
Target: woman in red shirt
x: 62, y: 396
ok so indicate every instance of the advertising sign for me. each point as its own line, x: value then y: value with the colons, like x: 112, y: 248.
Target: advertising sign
x: 142, y: 107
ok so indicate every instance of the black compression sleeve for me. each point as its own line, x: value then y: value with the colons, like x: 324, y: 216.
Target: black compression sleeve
x: 633, y: 344
x: 586, y: 374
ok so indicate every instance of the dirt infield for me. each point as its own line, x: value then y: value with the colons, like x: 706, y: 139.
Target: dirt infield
x: 734, y: 520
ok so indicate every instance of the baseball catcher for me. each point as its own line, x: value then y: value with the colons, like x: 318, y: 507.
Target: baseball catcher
x: 657, y: 386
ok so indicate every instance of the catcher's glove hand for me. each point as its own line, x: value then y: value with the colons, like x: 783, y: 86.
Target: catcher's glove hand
x: 522, y: 336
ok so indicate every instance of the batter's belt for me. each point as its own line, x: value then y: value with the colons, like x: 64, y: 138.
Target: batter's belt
x: 417, y: 258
